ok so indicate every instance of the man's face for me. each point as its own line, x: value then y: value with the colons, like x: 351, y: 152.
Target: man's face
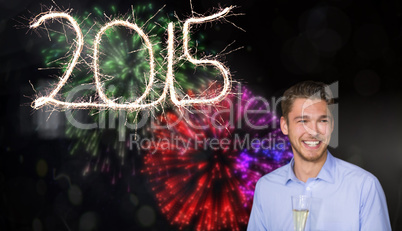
x: 309, y: 128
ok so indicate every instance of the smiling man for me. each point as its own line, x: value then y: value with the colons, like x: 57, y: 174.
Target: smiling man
x: 344, y: 197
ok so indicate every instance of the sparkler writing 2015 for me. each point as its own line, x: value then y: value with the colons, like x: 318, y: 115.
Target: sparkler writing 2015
x: 140, y: 103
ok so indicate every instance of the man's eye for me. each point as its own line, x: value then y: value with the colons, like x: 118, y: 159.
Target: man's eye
x: 302, y: 121
x: 324, y: 121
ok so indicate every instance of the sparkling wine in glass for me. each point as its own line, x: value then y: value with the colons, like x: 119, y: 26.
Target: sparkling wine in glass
x: 301, y: 208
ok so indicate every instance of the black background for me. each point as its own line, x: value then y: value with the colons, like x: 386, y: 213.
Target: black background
x: 357, y: 43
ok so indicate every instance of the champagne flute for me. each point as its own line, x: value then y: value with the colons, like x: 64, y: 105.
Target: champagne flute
x: 301, y: 208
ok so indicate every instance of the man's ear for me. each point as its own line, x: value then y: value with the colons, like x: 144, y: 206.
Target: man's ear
x: 284, y: 126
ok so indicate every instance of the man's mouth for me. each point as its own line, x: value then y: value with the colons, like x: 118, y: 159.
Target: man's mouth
x: 312, y: 143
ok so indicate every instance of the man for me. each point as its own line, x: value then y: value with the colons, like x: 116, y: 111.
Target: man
x: 344, y: 196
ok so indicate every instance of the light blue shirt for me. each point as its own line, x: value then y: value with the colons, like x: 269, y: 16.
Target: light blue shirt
x: 344, y: 198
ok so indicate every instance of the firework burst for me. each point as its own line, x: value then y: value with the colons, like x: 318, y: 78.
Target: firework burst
x: 204, y: 166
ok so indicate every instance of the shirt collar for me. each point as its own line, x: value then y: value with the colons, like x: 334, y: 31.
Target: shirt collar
x: 328, y: 169
x: 291, y: 175
x: 326, y: 173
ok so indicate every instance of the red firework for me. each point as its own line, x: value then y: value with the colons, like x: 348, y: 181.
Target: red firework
x: 201, y: 177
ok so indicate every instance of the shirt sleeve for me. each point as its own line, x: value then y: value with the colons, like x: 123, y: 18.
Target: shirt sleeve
x: 373, y: 208
x: 255, y: 222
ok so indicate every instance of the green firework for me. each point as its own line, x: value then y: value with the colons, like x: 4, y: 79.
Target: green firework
x: 124, y: 67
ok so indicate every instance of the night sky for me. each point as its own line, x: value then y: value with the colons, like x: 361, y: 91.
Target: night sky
x: 357, y: 43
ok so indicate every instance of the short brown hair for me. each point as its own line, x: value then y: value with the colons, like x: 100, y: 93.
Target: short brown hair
x: 305, y: 89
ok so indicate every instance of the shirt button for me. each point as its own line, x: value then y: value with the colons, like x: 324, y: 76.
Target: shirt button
x: 308, y: 188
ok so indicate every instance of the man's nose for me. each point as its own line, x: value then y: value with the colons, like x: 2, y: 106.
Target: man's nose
x: 313, y: 129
